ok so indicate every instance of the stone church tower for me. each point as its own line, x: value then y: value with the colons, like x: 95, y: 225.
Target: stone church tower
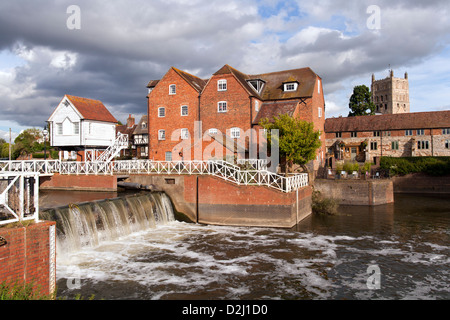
x: 391, y: 95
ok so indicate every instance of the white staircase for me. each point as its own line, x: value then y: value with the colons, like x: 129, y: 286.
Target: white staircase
x: 113, y: 151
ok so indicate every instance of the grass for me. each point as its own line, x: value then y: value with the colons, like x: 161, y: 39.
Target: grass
x: 21, y: 291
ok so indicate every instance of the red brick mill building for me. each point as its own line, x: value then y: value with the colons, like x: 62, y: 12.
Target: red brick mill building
x: 195, y: 119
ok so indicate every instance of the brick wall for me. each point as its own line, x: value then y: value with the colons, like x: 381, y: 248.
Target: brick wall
x: 173, y: 120
x: 81, y: 182
x: 357, y: 192
x: 27, y: 256
x: 216, y: 201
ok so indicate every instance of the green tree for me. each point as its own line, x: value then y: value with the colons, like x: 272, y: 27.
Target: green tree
x: 26, y: 142
x: 361, y: 103
x: 4, y: 150
x: 297, y: 139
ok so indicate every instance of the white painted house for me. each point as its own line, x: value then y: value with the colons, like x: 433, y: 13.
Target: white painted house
x: 80, y: 124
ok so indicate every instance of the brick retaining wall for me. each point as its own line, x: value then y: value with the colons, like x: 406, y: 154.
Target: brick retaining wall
x: 29, y: 255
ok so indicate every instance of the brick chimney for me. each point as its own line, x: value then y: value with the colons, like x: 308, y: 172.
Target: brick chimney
x: 130, y: 121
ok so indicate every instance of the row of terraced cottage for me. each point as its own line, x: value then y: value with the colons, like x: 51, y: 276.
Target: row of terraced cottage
x: 189, y: 118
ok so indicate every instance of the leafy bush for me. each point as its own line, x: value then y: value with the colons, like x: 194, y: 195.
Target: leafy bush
x: 434, y: 166
x: 349, y: 167
x: 322, y: 205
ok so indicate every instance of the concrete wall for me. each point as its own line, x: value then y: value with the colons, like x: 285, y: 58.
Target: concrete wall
x: 29, y: 256
x: 210, y: 200
x: 357, y: 192
x: 421, y: 183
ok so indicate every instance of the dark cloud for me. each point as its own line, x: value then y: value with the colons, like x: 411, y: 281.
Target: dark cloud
x: 123, y: 44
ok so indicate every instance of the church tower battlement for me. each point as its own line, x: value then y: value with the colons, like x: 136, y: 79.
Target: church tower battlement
x: 391, y: 95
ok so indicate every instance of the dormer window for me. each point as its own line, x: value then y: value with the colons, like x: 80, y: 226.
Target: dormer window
x: 290, y: 86
x: 257, y: 84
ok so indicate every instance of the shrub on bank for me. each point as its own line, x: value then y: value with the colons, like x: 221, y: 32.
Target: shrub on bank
x: 434, y: 166
x: 21, y: 291
x: 322, y: 205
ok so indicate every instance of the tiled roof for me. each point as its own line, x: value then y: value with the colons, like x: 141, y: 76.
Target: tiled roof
x: 152, y: 83
x: 271, y: 110
x: 273, y: 88
x: 197, y: 83
x: 91, y: 109
x: 139, y: 129
x: 401, y: 121
x: 124, y: 129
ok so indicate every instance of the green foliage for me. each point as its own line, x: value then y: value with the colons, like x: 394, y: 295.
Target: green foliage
x: 322, y: 205
x: 361, y: 103
x: 366, y: 167
x: 349, y: 167
x: 297, y: 140
x: 434, y: 166
x: 4, y: 150
x: 21, y: 291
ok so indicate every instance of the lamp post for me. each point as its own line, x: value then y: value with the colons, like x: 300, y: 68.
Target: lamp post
x: 45, y: 134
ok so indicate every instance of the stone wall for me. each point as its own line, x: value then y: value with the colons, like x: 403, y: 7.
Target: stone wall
x: 357, y: 192
x: 421, y: 183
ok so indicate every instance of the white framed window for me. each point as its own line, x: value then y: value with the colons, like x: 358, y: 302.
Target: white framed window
x: 184, y: 134
x: 76, y: 128
x: 172, y: 89
x: 162, y: 135
x: 143, y: 125
x: 447, y: 144
x: 222, y: 85
x: 338, y: 134
x: 320, y: 112
x: 168, y: 156
x: 354, y: 134
x: 59, y: 128
x: 420, y: 132
x: 235, y: 133
x: 257, y: 84
x: 291, y: 86
x: 446, y: 131
x: 213, y: 131
x: 184, y: 111
x: 408, y: 132
x: 222, y: 106
x: 144, y: 151
x: 161, y: 112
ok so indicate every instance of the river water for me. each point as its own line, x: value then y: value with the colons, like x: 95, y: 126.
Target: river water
x: 398, y: 251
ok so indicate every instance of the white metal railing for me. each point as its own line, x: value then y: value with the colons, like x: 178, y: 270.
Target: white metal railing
x: 113, y: 151
x: 218, y: 168
x: 19, y: 197
x: 256, y: 164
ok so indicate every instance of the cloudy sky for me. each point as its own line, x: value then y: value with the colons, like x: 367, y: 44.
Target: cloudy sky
x: 121, y: 45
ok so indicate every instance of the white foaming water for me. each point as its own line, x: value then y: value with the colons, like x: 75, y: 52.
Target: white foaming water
x: 175, y: 260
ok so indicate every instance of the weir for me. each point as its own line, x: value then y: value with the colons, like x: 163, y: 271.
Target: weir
x: 91, y: 223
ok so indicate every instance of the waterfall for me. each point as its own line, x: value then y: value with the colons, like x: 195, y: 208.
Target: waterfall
x: 91, y: 223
